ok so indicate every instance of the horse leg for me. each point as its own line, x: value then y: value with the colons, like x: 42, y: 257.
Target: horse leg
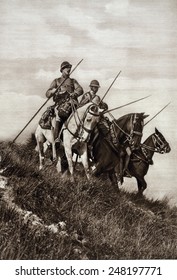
x: 54, y: 154
x: 113, y: 179
x: 49, y: 134
x: 142, y: 185
x: 121, y: 173
x: 84, y: 159
x: 40, y: 139
x: 68, y: 153
x: 58, y: 166
x: 97, y: 170
x: 45, y: 146
x: 41, y: 155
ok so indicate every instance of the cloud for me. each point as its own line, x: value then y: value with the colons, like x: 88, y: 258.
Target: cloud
x: 25, y: 33
x: 46, y: 75
x: 35, y: 30
x: 117, y: 8
x: 16, y: 111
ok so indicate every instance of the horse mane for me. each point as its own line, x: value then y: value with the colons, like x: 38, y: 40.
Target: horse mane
x: 148, y: 138
x: 129, y: 115
x: 81, y: 109
x: 125, y: 116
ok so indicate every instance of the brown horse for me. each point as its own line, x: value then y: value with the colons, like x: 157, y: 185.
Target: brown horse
x: 127, y: 129
x: 142, y: 158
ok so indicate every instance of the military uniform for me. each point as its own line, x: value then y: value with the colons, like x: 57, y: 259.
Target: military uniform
x: 91, y: 96
x: 67, y: 96
x: 69, y: 92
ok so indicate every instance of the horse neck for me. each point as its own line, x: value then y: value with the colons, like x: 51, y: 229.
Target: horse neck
x: 120, y: 127
x: 148, y: 144
x: 53, y: 121
x: 75, y: 119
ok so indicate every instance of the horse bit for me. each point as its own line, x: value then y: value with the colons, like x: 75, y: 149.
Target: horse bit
x: 159, y: 145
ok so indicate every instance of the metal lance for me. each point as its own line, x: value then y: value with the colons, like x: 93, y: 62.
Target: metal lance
x: 126, y: 104
x: 45, y: 102
x: 157, y: 114
x: 110, y: 87
x: 108, y: 111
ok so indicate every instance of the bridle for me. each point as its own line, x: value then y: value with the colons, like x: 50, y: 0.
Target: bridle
x: 129, y: 136
x: 80, y: 125
x: 159, y: 145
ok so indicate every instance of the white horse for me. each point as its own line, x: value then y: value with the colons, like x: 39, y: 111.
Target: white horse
x: 44, y: 137
x: 76, y: 132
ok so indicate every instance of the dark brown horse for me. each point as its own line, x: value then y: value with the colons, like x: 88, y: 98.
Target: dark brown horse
x: 128, y: 129
x: 142, y: 158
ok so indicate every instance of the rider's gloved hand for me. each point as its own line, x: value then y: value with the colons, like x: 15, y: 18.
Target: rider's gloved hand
x: 103, y: 106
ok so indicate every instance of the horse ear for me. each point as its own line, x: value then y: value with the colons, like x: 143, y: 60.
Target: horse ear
x: 156, y: 130
x: 145, y: 116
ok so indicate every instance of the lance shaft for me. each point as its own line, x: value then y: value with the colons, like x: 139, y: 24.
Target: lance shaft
x: 45, y: 102
x: 157, y: 114
x: 110, y: 87
x: 125, y: 104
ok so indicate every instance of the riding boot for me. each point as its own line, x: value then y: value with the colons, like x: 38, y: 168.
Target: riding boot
x: 57, y: 129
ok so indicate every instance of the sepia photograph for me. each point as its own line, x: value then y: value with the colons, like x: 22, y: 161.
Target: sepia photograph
x: 88, y: 132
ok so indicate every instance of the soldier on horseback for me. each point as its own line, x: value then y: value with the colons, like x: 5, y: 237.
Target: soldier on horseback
x: 105, y: 126
x: 91, y: 96
x: 66, y: 97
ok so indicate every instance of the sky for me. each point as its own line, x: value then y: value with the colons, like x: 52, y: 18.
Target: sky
x: 136, y: 37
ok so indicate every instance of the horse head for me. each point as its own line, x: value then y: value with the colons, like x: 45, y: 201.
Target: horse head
x: 90, y: 119
x: 160, y: 144
x: 131, y: 129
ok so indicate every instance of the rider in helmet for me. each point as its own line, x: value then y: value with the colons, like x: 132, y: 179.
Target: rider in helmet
x: 65, y: 92
x: 91, y: 96
x: 105, y: 126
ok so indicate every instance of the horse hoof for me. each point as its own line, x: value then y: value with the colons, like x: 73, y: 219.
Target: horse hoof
x: 140, y: 193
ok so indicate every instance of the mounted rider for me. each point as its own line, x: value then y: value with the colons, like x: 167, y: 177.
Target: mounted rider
x: 65, y: 92
x: 91, y: 96
x: 105, y: 126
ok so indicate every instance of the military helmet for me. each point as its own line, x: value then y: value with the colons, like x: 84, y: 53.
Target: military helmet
x: 65, y: 64
x: 94, y: 83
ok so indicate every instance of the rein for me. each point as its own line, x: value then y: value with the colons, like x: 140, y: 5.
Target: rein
x: 155, y: 139
x: 129, y: 136
x: 80, y: 125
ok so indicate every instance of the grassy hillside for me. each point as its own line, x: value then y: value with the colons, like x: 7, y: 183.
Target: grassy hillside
x: 43, y: 216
